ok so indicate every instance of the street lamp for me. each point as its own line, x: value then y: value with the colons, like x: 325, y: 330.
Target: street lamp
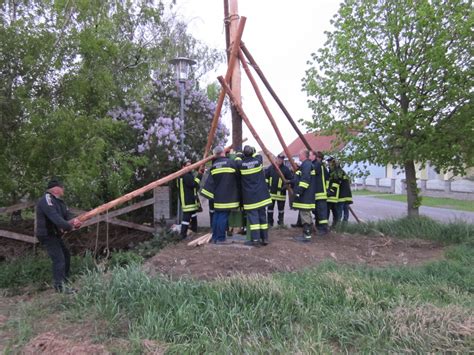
x: 182, y: 68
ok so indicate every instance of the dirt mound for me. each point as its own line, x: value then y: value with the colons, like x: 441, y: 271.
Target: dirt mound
x: 53, y: 343
x: 285, y: 254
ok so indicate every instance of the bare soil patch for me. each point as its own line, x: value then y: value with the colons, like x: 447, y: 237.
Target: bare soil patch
x: 283, y: 254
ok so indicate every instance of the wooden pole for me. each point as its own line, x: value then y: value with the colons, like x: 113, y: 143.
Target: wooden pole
x: 274, y: 95
x: 227, y: 29
x: 131, y: 195
x: 267, y: 110
x: 251, y: 128
x: 233, y: 58
x: 236, y: 77
x: 359, y: 221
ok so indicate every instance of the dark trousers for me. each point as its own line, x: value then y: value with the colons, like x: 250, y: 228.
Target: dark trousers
x: 211, y: 210
x: 258, y: 225
x: 220, y: 221
x: 321, y: 214
x: 345, y: 211
x: 60, y: 257
x: 335, y: 209
x: 281, y: 212
x: 189, y: 220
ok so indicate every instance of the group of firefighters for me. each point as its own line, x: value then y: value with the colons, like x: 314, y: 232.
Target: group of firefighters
x: 240, y: 182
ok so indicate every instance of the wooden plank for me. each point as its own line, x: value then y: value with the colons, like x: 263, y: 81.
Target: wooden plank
x: 132, y: 225
x: 18, y: 236
x: 18, y: 206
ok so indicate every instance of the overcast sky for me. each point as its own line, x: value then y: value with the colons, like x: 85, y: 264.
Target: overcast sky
x: 281, y: 35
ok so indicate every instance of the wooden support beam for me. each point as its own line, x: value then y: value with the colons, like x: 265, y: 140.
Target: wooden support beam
x: 267, y: 110
x: 17, y: 207
x: 232, y: 60
x: 132, y: 225
x: 18, y: 236
x: 274, y: 95
x: 131, y: 195
x: 251, y: 128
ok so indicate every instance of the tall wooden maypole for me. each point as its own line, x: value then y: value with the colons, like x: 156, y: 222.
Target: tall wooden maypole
x: 231, y: 13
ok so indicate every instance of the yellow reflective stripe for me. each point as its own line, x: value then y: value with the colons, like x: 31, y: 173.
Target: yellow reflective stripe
x: 254, y: 227
x: 253, y: 206
x: 332, y: 199
x: 190, y: 208
x: 321, y: 196
x: 197, y: 180
x: 254, y: 155
x: 222, y: 170
x: 278, y: 197
x: 271, y: 180
x: 345, y: 199
x: 298, y: 172
x: 313, y: 172
x: 304, y: 206
x: 207, y: 193
x: 280, y: 183
x: 303, y: 184
x: 251, y: 171
x: 335, y: 184
x: 226, y: 205
x: 238, y: 158
x: 324, y: 179
x: 323, y: 221
x: 266, y: 180
x: 181, y: 191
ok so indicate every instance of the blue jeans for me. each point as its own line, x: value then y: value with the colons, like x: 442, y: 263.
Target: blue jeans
x: 220, y: 221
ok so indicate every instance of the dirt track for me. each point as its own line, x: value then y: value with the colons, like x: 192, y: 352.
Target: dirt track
x: 284, y: 254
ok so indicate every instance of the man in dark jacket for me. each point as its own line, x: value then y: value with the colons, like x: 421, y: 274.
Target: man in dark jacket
x: 52, y: 218
x: 222, y: 186
x: 188, y: 186
x: 277, y: 188
x: 345, y: 196
x: 304, y: 190
x: 255, y: 195
x: 335, y: 180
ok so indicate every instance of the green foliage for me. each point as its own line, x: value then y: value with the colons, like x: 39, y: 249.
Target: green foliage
x: 330, y: 308
x: 63, y: 66
x: 415, y: 227
x: 399, y: 74
x: 124, y: 258
x: 161, y: 239
x: 36, y: 270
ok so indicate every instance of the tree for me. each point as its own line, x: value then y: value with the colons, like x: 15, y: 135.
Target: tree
x: 399, y: 73
x: 63, y: 66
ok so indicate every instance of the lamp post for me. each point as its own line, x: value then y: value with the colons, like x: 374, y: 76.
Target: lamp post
x: 182, y: 68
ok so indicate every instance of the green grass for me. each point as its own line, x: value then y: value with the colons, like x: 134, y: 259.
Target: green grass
x: 419, y: 227
x: 450, y: 203
x: 330, y: 308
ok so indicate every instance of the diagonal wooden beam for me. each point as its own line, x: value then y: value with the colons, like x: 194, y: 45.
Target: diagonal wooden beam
x: 267, y: 110
x: 232, y: 61
x: 274, y: 95
x: 251, y: 128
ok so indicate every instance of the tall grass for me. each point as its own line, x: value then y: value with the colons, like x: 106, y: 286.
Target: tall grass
x: 325, y: 309
x: 420, y: 227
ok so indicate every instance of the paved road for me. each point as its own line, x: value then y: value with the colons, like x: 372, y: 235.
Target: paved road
x: 371, y: 208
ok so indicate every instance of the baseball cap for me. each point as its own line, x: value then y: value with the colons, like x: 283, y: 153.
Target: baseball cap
x: 54, y: 182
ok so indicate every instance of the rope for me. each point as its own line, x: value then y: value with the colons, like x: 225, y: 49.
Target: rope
x: 107, y: 250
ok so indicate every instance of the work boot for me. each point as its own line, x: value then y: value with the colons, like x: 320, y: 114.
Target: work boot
x: 306, y: 237
x: 281, y: 216
x: 184, y: 230
x: 252, y: 243
x: 270, y: 218
x: 194, y: 223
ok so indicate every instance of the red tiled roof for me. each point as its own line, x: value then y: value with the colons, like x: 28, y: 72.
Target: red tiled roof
x: 317, y: 142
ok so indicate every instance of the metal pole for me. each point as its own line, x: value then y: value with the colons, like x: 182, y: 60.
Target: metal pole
x: 181, y: 115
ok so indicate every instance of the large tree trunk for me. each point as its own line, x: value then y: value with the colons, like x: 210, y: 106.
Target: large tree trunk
x: 412, y: 189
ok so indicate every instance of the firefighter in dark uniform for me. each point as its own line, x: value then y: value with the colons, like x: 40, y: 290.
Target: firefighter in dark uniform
x: 277, y: 188
x: 345, y: 196
x: 320, y: 174
x: 304, y: 190
x: 255, y: 195
x: 335, y: 180
x: 52, y: 218
x: 222, y: 186
x: 188, y: 186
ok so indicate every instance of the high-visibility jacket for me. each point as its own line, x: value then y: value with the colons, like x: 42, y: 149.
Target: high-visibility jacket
x: 320, y: 186
x: 345, y: 194
x: 275, y: 183
x: 252, y: 178
x: 304, y: 187
x: 222, y: 185
x: 335, y: 180
x: 188, y: 186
